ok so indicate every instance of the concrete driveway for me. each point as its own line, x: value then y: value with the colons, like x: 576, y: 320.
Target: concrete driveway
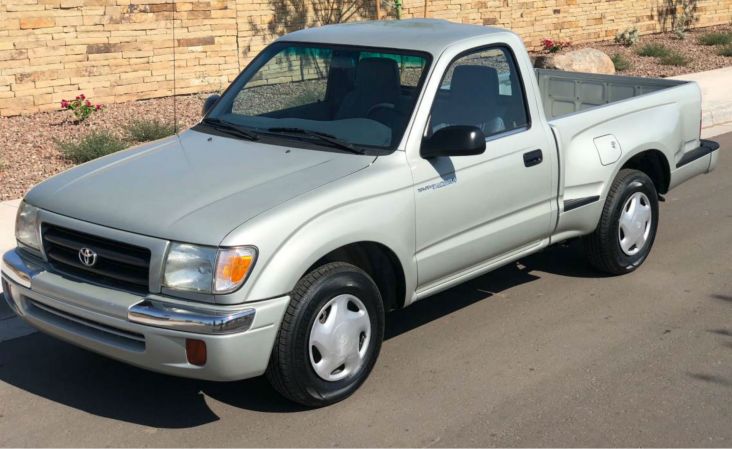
x: 541, y: 353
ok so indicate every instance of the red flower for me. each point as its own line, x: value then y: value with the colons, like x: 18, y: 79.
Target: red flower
x: 64, y: 104
x: 81, y: 96
x: 78, y: 98
x: 87, y: 103
x: 99, y: 107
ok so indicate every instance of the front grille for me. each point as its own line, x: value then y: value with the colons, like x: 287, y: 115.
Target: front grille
x: 118, y: 264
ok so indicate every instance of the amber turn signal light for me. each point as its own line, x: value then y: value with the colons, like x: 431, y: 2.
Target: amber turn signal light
x: 232, y: 267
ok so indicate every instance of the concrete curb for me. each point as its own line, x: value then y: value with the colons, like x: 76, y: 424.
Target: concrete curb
x: 11, y: 327
x: 716, y: 95
x: 8, y: 210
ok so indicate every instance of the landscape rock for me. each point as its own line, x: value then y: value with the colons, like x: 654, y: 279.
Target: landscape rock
x: 588, y: 60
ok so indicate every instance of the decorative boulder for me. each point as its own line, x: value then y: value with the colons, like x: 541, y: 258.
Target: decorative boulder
x: 588, y: 60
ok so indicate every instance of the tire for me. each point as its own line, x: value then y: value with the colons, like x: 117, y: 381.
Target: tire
x: 610, y: 248
x: 333, y: 293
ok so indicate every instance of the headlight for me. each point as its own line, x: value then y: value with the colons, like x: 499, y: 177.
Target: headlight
x: 207, y: 270
x: 26, y: 226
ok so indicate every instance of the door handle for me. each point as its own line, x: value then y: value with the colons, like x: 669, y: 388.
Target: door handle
x: 533, y: 158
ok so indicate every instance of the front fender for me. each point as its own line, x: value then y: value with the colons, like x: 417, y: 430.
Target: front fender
x: 291, y: 239
x: 307, y: 245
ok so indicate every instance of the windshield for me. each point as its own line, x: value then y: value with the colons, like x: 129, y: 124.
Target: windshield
x: 354, y: 96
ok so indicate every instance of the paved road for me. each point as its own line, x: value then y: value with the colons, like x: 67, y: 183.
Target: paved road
x: 544, y: 352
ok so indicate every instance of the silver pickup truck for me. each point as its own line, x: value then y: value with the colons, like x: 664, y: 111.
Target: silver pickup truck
x: 349, y: 170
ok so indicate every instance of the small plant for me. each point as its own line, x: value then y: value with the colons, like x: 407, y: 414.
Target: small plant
x: 716, y: 39
x: 81, y: 107
x: 93, y: 145
x: 683, y: 20
x: 675, y: 59
x: 726, y: 51
x: 680, y: 31
x: 146, y: 130
x: 552, y: 46
x: 628, y: 38
x: 654, y: 50
x: 620, y: 62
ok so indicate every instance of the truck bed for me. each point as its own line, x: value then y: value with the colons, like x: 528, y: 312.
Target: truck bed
x: 617, y: 116
x: 564, y: 93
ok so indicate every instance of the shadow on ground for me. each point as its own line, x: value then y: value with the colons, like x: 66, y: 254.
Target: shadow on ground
x: 94, y: 384
x: 563, y: 260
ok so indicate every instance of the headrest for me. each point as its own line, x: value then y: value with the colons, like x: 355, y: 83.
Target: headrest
x: 379, y: 76
x: 474, y: 83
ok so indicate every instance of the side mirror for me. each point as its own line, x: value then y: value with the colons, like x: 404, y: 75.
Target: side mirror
x: 208, y: 104
x: 458, y: 140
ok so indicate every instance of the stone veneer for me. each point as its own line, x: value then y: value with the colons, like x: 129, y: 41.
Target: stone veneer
x: 119, y: 50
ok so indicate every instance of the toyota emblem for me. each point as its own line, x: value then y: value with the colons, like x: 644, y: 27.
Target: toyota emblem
x: 88, y: 257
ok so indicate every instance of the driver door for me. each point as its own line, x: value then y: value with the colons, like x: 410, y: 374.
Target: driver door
x: 474, y: 209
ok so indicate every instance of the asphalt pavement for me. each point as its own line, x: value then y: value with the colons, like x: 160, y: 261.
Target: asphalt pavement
x: 545, y: 352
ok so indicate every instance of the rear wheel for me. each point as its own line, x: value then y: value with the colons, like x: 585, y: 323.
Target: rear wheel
x: 330, y: 336
x: 627, y: 228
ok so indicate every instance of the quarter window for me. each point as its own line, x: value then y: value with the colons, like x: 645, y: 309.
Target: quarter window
x: 481, y: 89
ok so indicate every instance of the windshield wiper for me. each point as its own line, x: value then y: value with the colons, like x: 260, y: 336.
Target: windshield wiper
x: 230, y: 128
x: 323, y: 137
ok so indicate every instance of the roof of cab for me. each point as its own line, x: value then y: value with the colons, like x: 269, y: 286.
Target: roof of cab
x: 429, y: 35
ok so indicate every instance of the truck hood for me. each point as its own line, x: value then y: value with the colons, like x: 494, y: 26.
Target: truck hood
x: 192, y: 188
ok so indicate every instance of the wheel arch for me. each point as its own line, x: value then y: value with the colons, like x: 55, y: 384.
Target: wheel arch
x: 654, y: 164
x: 379, y: 261
x: 650, y: 159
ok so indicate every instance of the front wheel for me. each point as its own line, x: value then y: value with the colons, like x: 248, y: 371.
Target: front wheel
x: 627, y: 228
x: 330, y: 336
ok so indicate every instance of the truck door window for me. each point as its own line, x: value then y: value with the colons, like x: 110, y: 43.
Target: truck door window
x: 482, y: 89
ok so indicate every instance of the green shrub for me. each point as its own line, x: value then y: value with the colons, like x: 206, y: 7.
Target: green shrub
x: 716, y: 38
x: 655, y: 50
x: 146, y: 130
x: 726, y: 50
x: 674, y: 58
x: 620, y: 62
x: 93, y: 145
x: 628, y: 38
x: 684, y: 15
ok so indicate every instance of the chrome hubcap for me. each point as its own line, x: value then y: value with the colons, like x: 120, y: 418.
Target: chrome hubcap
x: 635, y: 223
x: 339, y: 338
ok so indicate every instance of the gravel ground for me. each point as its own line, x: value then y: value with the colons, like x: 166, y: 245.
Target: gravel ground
x: 701, y: 57
x: 29, y: 153
x: 268, y: 98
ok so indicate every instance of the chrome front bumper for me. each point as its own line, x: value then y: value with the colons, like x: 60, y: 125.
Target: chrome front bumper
x: 154, y: 313
x: 18, y: 270
x: 188, y: 319
x: 147, y: 331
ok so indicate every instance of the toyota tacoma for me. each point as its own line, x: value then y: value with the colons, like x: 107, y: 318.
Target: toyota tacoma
x: 349, y: 170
